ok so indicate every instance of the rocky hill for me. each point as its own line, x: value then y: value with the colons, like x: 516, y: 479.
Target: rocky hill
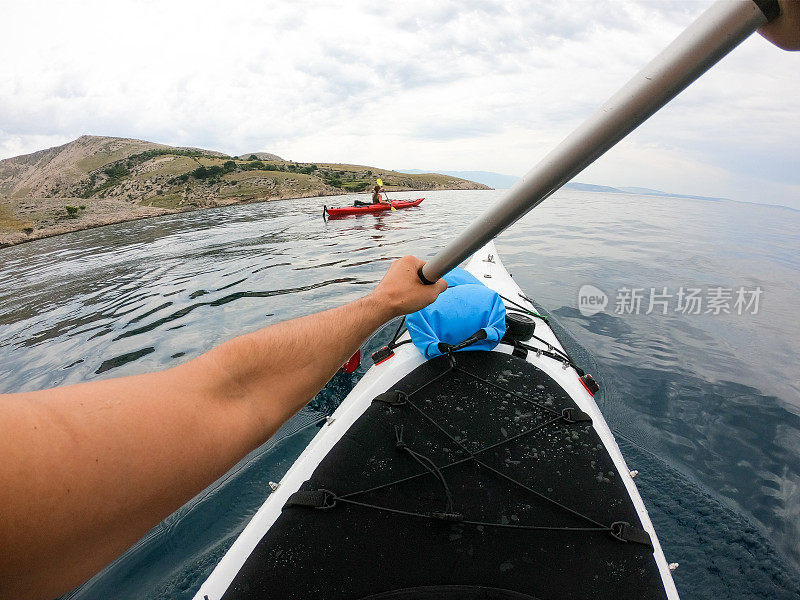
x: 99, y: 180
x: 261, y: 156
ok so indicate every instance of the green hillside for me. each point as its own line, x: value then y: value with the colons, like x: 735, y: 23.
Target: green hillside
x: 98, y: 180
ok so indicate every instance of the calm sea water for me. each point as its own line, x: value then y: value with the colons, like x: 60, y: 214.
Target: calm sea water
x: 706, y: 406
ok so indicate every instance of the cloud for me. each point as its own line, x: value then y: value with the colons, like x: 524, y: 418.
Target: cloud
x: 476, y: 84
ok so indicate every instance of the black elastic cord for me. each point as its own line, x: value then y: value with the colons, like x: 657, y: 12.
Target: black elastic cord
x: 397, y: 332
x: 484, y: 465
x: 524, y: 309
x: 325, y: 499
x: 387, y: 351
x: 495, y: 471
x: 408, y: 513
x: 456, y: 462
x: 554, y: 353
x: 429, y: 465
x: 620, y: 530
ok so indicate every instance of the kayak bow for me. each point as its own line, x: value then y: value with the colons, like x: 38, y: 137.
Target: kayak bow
x: 481, y: 474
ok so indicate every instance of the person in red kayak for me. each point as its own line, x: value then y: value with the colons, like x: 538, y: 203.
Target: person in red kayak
x: 377, y: 198
x: 376, y: 195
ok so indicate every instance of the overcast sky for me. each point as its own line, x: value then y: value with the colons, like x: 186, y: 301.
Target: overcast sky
x: 438, y: 85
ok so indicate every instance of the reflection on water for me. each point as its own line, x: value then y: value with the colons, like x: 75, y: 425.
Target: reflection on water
x: 706, y: 406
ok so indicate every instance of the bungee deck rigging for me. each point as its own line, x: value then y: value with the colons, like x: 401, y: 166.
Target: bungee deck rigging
x: 440, y: 465
x: 620, y: 530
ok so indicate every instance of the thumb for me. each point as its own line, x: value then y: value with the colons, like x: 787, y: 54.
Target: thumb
x: 440, y: 286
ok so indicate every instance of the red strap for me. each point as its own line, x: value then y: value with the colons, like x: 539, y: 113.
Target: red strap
x: 352, y: 364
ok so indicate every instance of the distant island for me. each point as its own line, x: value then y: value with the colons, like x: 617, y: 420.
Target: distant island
x: 96, y: 180
x: 500, y: 181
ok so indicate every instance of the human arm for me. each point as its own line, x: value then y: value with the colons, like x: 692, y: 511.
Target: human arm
x: 88, y: 469
x: 784, y: 31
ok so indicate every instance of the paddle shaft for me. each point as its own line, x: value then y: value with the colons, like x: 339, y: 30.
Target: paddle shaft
x: 715, y: 33
x: 380, y: 184
x: 389, y: 201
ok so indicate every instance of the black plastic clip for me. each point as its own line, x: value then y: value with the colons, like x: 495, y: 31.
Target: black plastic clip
x: 520, y: 351
x: 625, y: 532
x: 575, y: 415
x: 445, y: 348
x: 590, y: 384
x: 381, y: 355
x: 319, y: 499
x: 392, y: 398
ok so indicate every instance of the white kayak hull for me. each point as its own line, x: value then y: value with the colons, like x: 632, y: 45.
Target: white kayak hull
x: 488, y: 268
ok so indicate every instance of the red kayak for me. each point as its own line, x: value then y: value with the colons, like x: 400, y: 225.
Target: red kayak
x: 371, y: 208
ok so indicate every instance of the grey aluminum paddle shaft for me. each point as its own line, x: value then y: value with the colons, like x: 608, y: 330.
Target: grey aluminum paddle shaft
x: 715, y: 33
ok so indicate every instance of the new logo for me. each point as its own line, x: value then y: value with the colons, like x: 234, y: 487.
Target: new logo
x: 591, y: 300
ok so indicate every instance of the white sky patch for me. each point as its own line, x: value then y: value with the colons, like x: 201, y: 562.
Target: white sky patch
x: 469, y: 85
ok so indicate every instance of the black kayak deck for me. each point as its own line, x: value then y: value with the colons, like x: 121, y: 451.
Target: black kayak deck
x: 507, y: 492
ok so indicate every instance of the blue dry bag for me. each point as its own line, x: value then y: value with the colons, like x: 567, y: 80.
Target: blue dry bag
x: 464, y: 308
